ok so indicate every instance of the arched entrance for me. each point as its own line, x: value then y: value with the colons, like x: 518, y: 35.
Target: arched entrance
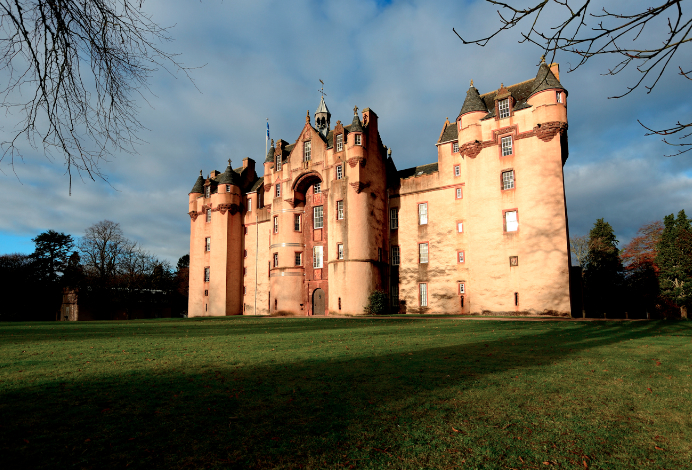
x: 318, y: 302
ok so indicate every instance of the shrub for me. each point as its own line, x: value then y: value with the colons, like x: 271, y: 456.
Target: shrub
x: 377, y: 303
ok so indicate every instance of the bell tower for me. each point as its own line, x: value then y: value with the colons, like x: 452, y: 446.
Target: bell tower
x: 322, y: 114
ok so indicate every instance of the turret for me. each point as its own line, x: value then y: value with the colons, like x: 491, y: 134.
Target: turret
x: 198, y: 188
x: 471, y: 112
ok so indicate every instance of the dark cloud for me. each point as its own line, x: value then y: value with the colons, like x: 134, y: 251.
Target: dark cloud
x: 263, y: 59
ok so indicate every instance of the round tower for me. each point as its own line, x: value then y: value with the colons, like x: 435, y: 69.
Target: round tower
x: 196, y: 300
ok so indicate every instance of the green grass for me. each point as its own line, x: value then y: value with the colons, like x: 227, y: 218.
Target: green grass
x: 404, y: 393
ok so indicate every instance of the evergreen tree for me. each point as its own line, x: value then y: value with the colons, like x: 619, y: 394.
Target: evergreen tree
x: 52, y: 253
x: 674, y: 260
x: 603, y: 277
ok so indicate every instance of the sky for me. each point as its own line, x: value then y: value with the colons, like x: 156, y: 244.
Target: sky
x: 261, y: 59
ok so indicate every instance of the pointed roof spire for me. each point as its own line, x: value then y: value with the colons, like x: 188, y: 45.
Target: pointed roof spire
x: 307, y: 117
x: 356, y: 125
x: 229, y: 176
x: 473, y: 101
x: 322, y: 108
x: 199, y: 184
x: 270, y: 153
x: 545, y: 79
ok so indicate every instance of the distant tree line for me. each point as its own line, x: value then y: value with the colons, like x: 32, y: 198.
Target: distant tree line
x: 651, y: 277
x: 109, y: 272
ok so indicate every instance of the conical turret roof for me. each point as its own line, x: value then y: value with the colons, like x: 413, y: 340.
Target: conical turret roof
x: 473, y: 102
x: 199, y: 184
x: 229, y: 176
x: 356, y: 125
x: 545, y: 80
x: 270, y: 154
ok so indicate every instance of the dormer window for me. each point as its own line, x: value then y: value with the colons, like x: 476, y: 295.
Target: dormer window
x: 503, y: 108
x: 339, y: 142
x: 307, y: 151
x: 358, y: 136
x: 207, y: 191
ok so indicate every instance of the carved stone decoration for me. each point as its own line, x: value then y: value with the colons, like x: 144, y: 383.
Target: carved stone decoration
x: 193, y: 215
x: 471, y: 149
x: 359, y: 186
x: 548, y: 130
x: 223, y: 208
x: 267, y: 188
x: 355, y: 160
x: 292, y: 202
x: 338, y: 129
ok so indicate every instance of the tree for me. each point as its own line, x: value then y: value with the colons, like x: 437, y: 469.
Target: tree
x: 603, y: 275
x: 641, y: 272
x: 52, y: 253
x: 579, y: 246
x: 73, y: 69
x: 577, y: 27
x: 105, y: 250
x: 674, y: 259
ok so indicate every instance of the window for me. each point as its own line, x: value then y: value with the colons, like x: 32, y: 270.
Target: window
x: 278, y: 190
x: 516, y: 299
x: 508, y: 179
x: 511, y: 221
x: 339, y: 303
x: 207, y: 246
x: 462, y: 288
x: 317, y: 188
x: 395, y: 255
x: 299, y: 258
x: 317, y: 257
x: 358, y: 139
x: 459, y: 194
x: 503, y: 106
x: 206, y: 292
x: 514, y: 261
x: 339, y: 142
x: 558, y: 96
x: 423, y: 291
x: 460, y: 256
x: 317, y: 217
x: 395, y: 295
x: 207, y: 191
x: 423, y: 213
x: 340, y: 251
x: 206, y: 274
x: 393, y: 219
x: 457, y: 170
x: 245, y: 230
x: 276, y: 260
x: 340, y: 210
x: 249, y: 205
x: 244, y: 271
x: 307, y: 151
x: 379, y: 255
x: 339, y: 172
x: 507, y: 145
x: 276, y: 224
x: 422, y: 253
x: 455, y: 147
x: 208, y: 215
x: 296, y: 222
x: 244, y: 253
x: 228, y: 188
x: 460, y: 227
x: 244, y: 290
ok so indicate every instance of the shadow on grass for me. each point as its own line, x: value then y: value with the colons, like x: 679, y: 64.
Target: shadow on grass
x: 345, y: 407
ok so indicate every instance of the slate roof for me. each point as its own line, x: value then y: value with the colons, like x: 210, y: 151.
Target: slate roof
x: 473, y: 102
x: 258, y: 184
x: 230, y: 176
x: 199, y: 184
x: 545, y: 80
x: 421, y: 170
x: 270, y: 154
x: 322, y: 108
x: 356, y: 125
x: 450, y: 133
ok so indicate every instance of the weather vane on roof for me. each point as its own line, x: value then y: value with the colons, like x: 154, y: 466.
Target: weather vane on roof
x: 321, y: 90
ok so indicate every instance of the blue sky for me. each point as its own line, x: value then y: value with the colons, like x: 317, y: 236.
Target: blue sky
x: 264, y: 59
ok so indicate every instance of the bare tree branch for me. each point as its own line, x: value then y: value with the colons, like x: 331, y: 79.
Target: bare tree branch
x: 82, y: 114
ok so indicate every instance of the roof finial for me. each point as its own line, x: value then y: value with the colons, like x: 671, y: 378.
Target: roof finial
x: 307, y: 118
x: 200, y: 172
x: 471, y: 83
x: 355, y: 110
x: 229, y: 163
x: 321, y: 90
x: 543, y: 59
x: 272, y: 142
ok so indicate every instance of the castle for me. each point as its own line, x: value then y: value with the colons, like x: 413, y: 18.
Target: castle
x: 481, y: 231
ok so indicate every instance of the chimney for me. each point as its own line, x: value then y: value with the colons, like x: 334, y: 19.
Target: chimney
x: 555, y: 68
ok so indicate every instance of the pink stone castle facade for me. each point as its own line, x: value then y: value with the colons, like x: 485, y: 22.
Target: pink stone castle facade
x: 481, y: 231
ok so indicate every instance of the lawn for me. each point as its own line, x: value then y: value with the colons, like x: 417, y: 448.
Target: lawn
x: 404, y: 393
